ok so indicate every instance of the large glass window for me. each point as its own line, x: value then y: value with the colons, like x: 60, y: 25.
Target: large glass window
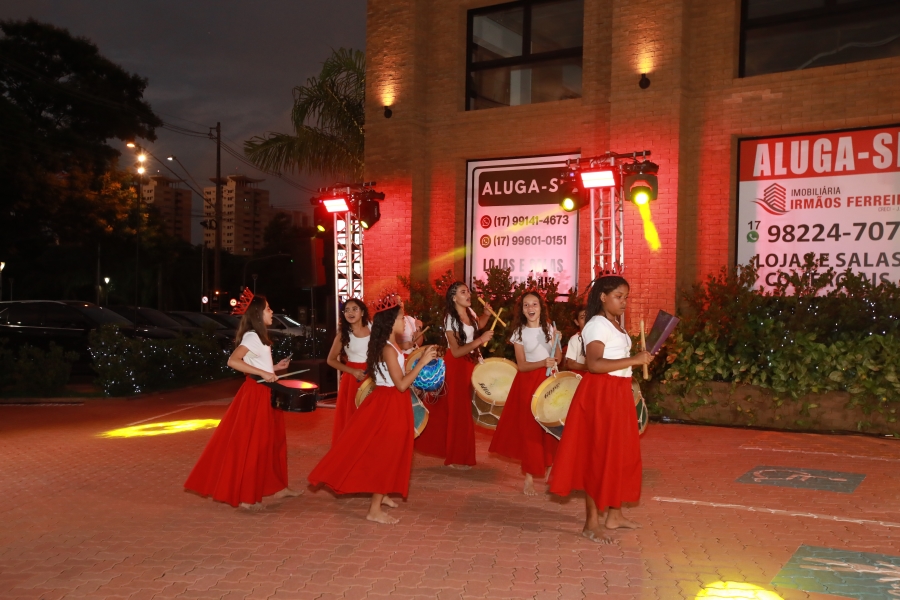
x: 524, y: 53
x: 792, y: 35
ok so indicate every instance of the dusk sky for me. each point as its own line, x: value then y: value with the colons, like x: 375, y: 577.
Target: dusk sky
x: 206, y: 61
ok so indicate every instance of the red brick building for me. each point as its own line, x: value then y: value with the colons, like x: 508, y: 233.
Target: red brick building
x: 720, y: 71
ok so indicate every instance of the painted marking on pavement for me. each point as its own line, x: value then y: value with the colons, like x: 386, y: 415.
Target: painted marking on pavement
x: 846, y: 573
x: 805, y: 479
x: 775, y: 511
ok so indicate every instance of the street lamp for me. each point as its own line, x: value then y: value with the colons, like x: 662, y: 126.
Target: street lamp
x: 106, y: 281
x: 137, y: 246
x: 2, y: 266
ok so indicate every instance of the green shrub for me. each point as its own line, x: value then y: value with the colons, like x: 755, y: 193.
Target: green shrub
x: 35, y: 372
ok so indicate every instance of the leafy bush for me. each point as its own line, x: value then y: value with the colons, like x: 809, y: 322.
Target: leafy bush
x: 35, y: 371
x: 128, y: 366
x: 802, y: 336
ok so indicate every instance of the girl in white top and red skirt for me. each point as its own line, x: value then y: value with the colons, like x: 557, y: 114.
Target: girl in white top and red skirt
x: 246, y: 458
x: 518, y: 435
x: 374, y: 452
x: 600, y: 451
x: 348, y: 355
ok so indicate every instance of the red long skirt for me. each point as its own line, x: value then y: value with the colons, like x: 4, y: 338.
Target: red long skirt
x: 374, y: 452
x: 600, y: 450
x: 246, y: 458
x: 450, y: 432
x: 345, y: 405
x: 518, y: 435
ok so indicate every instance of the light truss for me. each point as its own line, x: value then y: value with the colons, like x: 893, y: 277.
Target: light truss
x: 348, y: 253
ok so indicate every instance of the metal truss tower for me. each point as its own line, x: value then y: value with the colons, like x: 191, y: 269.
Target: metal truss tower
x: 607, y: 229
x: 348, y: 253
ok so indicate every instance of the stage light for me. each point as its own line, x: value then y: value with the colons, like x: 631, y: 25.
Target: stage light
x: 573, y: 197
x: 334, y: 205
x: 388, y: 113
x: 322, y: 219
x: 640, y: 182
x: 598, y: 179
x: 369, y: 213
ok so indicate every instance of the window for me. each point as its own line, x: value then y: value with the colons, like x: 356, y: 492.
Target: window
x: 524, y: 53
x: 778, y: 36
x: 63, y: 317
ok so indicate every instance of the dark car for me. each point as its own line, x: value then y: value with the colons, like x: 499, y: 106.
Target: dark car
x: 67, y: 324
x: 203, y: 321
x: 150, y: 317
x: 235, y: 321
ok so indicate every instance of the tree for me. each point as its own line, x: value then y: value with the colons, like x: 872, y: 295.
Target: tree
x: 328, y: 119
x: 60, y: 103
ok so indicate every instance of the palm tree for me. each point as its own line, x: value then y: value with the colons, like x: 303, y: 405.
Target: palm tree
x: 328, y: 119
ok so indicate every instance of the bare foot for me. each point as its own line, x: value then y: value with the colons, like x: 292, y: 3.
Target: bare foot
x: 386, y: 501
x: 251, y: 507
x: 287, y: 493
x: 529, y: 486
x: 460, y: 467
x: 597, y: 538
x: 620, y: 522
x: 382, y: 517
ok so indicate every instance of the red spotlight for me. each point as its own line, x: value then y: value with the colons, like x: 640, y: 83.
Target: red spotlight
x: 334, y: 205
x: 598, y: 179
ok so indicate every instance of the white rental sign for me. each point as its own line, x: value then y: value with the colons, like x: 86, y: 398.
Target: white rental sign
x: 834, y: 194
x: 514, y: 221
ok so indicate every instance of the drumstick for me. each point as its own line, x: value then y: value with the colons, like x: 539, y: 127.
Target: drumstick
x: 285, y: 375
x: 644, y: 348
x: 421, y: 333
x: 494, y: 325
x: 491, y: 310
x: 556, y: 343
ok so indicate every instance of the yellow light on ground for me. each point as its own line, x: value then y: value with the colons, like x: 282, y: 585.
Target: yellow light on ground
x: 152, y: 429
x: 735, y: 589
x: 650, y: 233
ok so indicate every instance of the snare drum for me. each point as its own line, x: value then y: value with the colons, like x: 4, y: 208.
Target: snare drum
x: 420, y: 413
x: 491, y: 382
x: 293, y: 395
x: 551, y: 400
x: 431, y: 377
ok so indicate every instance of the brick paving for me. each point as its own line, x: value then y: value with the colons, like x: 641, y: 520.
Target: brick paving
x: 84, y: 516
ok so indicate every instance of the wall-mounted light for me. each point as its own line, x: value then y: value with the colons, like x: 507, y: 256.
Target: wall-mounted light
x: 388, y: 113
x: 644, y: 83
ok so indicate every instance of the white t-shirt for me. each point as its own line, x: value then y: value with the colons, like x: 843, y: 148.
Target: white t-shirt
x: 615, y: 343
x: 469, y: 330
x: 259, y: 355
x: 575, y: 349
x: 357, y: 349
x: 383, y: 376
x: 535, y: 343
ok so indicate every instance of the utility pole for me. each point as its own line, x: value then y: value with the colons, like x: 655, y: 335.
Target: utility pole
x: 217, y: 260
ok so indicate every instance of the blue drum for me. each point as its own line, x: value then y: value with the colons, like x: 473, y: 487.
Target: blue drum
x: 431, y: 377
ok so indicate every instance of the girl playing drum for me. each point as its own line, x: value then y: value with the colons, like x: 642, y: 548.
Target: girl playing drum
x: 451, y: 430
x: 374, y: 453
x: 348, y: 355
x: 518, y: 435
x: 600, y: 451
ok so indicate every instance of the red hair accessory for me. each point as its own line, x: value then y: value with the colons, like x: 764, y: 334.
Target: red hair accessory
x: 243, y: 302
x: 388, y: 301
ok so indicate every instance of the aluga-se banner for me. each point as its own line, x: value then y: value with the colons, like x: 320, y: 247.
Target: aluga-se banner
x: 835, y: 194
x: 514, y: 220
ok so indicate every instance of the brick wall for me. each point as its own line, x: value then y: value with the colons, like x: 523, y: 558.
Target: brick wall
x: 690, y: 118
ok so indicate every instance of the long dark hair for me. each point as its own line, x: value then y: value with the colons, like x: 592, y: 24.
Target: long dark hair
x: 605, y: 284
x: 252, y: 320
x: 382, y: 326
x: 345, y: 326
x: 522, y: 321
x: 455, y: 321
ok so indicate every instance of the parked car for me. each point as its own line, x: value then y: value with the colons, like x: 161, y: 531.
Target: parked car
x: 150, y: 317
x: 67, y: 324
x: 195, y: 319
x: 285, y: 324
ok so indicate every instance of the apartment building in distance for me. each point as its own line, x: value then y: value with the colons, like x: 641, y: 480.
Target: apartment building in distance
x: 173, y: 203
x: 245, y: 214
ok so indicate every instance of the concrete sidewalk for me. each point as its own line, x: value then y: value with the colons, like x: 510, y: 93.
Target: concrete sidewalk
x: 84, y: 516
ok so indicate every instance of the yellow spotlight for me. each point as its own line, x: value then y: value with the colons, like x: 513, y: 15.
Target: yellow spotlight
x: 568, y: 204
x: 734, y: 589
x: 320, y: 227
x: 641, y: 197
x: 165, y: 428
x: 650, y: 233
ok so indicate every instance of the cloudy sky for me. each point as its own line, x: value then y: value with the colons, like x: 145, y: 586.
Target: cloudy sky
x: 206, y: 61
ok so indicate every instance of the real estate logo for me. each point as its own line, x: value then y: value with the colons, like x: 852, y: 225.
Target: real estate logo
x: 773, y: 200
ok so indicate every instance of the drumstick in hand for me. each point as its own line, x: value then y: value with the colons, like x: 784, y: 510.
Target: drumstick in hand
x: 490, y: 310
x: 644, y: 347
x: 420, y: 334
x: 497, y: 318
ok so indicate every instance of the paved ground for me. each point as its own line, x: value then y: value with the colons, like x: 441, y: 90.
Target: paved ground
x: 84, y: 516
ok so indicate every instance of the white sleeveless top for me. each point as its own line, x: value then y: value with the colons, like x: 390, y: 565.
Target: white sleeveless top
x: 615, y: 343
x: 575, y: 350
x: 259, y: 355
x: 469, y: 330
x: 383, y: 376
x: 357, y: 349
x: 535, y: 343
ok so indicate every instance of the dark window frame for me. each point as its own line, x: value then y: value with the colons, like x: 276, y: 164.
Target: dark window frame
x: 831, y: 13
x: 526, y: 58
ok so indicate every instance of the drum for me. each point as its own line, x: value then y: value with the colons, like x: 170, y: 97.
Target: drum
x: 491, y: 381
x: 293, y: 395
x: 485, y: 414
x: 431, y: 377
x: 420, y: 413
x: 643, y: 415
x: 551, y: 400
